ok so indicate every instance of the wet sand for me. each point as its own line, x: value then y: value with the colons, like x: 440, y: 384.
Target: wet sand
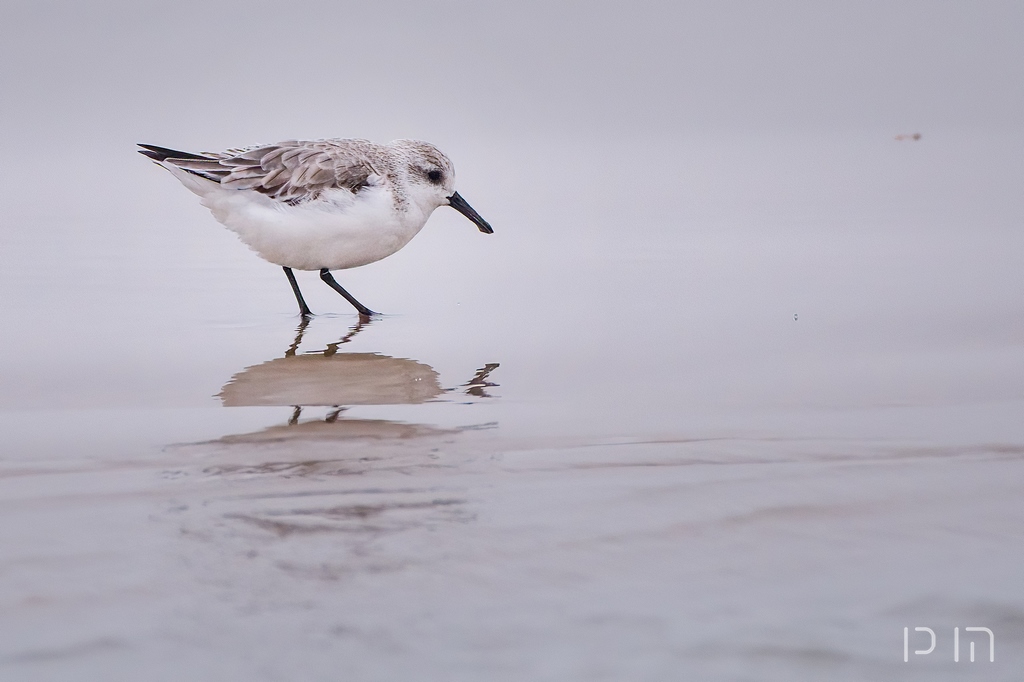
x: 747, y: 425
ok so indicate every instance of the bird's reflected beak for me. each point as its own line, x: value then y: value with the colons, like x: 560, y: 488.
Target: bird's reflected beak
x: 460, y: 205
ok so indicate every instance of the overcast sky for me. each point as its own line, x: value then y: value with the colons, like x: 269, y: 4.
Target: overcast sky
x: 235, y: 72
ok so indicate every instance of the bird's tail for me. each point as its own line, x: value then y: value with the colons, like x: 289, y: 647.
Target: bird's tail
x: 160, y: 154
x: 200, y: 174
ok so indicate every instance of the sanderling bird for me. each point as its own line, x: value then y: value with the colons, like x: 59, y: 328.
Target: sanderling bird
x: 321, y: 205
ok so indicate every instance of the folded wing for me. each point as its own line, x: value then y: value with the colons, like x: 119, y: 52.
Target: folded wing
x: 292, y: 172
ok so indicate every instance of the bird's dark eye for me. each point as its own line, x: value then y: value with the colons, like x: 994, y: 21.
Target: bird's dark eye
x: 435, y: 176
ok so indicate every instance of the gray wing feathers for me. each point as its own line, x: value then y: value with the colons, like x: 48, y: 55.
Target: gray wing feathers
x: 292, y: 171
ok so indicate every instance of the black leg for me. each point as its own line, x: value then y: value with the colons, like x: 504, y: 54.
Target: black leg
x: 326, y: 276
x: 303, y: 308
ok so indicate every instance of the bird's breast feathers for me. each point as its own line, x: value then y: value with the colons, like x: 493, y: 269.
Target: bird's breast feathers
x: 338, y: 230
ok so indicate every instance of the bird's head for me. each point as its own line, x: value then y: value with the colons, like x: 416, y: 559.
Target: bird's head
x: 431, y: 180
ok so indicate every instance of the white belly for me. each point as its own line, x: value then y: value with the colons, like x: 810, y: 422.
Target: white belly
x: 336, y: 232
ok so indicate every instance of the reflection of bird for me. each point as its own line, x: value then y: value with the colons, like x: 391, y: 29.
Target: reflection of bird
x: 478, y: 385
x: 339, y: 379
x: 323, y: 205
x: 328, y: 378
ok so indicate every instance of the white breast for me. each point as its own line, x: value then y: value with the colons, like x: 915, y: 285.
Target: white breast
x: 337, y: 231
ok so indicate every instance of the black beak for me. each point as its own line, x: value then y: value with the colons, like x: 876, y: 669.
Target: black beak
x: 460, y: 205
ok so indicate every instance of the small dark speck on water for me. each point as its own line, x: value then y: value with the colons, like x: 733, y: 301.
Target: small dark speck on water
x: 794, y: 316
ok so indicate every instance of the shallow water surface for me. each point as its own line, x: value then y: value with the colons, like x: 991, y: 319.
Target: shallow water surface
x: 750, y: 423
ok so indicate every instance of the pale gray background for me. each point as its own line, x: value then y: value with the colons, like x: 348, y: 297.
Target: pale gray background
x: 88, y: 75
x: 761, y: 376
